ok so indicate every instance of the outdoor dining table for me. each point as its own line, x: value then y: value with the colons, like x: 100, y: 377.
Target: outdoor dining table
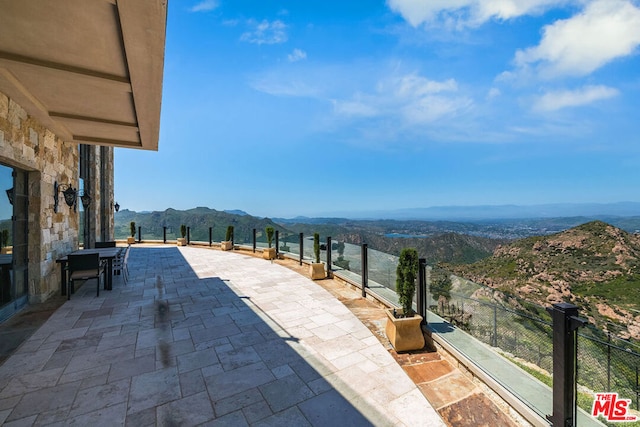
x: 107, y: 254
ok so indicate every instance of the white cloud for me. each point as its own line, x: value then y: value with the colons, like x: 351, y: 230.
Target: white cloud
x: 431, y: 108
x: 265, y: 32
x: 414, y: 85
x: 460, y: 13
x: 297, y: 55
x: 423, y: 101
x: 553, y: 101
x: 278, y: 87
x: 396, y: 104
x: 417, y: 12
x: 494, y: 92
x: 205, y: 5
x: 354, y: 108
x: 604, y: 31
x: 411, y: 99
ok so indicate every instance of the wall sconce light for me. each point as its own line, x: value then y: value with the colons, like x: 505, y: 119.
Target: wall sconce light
x: 116, y: 207
x: 10, y: 193
x: 85, y: 199
x: 70, y: 196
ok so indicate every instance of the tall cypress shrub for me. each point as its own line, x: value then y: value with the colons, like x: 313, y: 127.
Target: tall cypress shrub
x: 406, y: 275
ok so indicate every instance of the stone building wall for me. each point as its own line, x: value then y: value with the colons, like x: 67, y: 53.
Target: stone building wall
x: 25, y: 144
x: 109, y: 201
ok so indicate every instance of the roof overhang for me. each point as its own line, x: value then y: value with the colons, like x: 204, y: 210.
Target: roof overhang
x: 89, y: 70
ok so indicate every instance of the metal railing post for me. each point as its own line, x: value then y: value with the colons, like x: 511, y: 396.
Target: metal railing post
x: 329, y: 273
x: 164, y: 234
x: 254, y: 240
x: 139, y: 234
x: 427, y: 293
x: 565, y: 325
x: 277, y: 243
x: 301, y: 247
x: 365, y: 268
x: 188, y: 235
x: 421, y: 297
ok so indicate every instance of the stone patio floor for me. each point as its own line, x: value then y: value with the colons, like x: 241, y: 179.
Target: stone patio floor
x: 204, y: 337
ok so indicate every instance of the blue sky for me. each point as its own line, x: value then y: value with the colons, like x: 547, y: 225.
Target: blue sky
x: 286, y: 108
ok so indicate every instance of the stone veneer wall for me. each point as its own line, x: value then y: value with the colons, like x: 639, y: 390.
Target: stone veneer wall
x: 107, y: 193
x: 25, y: 144
x: 99, y: 163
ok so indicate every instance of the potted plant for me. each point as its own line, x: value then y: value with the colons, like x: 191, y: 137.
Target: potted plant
x: 269, y: 253
x: 227, y: 243
x: 403, y: 325
x: 132, y: 230
x: 4, y: 241
x: 182, y: 241
x: 316, y: 269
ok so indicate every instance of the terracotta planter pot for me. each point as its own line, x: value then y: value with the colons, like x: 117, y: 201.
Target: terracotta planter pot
x: 316, y: 271
x: 404, y: 333
x: 269, y: 253
x: 226, y: 245
x: 131, y: 240
x: 182, y: 241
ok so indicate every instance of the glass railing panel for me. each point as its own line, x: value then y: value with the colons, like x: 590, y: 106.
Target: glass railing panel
x: 308, y: 248
x: 242, y: 236
x: 197, y: 233
x: 349, y: 258
x: 382, y: 268
x: 287, y: 241
x: 516, y: 329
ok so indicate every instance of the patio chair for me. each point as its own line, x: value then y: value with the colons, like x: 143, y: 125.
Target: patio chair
x: 119, y: 263
x: 125, y: 263
x: 84, y: 267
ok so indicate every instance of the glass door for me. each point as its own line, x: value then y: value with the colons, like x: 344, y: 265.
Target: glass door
x: 14, y: 261
x: 6, y: 231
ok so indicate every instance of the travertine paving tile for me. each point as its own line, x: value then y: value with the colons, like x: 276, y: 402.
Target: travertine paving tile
x: 191, y: 410
x: 285, y: 392
x: 328, y: 409
x: 100, y: 397
x: 44, y: 400
x: 153, y: 389
x: 238, y: 401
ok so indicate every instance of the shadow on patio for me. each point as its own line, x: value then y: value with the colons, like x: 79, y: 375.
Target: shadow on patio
x: 207, y: 337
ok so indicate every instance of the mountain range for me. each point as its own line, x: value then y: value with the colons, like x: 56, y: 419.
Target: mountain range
x: 483, y: 212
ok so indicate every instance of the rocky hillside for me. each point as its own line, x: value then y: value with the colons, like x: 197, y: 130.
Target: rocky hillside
x: 595, y: 266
